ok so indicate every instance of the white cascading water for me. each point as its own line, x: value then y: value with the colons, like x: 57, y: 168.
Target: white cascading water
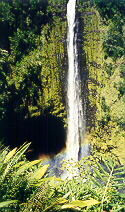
x: 76, y: 118
x: 76, y: 126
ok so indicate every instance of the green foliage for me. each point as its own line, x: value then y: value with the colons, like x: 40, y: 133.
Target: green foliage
x: 104, y: 45
x: 114, y: 41
x: 26, y: 78
x: 109, y: 178
x: 6, y: 203
x: 52, y: 67
x: 32, y: 70
x: 68, y: 195
x: 97, y: 186
x: 26, y: 17
x: 18, y: 177
x: 106, y: 115
x: 108, y: 8
x: 113, y: 15
x: 99, y: 180
x: 45, y: 198
x: 3, y: 81
x: 122, y: 84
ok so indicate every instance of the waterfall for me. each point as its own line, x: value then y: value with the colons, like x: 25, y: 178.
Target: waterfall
x: 76, y: 148
x: 76, y: 124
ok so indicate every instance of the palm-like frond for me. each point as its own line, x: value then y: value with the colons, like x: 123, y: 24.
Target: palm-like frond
x: 110, y: 179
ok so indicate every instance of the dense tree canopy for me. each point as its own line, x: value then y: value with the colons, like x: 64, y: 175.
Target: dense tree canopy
x: 27, y: 28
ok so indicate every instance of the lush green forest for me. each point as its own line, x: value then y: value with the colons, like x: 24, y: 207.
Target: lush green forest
x: 33, y: 102
x: 33, y: 69
x: 33, y: 72
x: 105, y: 53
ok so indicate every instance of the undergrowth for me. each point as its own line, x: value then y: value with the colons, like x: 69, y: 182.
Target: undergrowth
x: 97, y: 185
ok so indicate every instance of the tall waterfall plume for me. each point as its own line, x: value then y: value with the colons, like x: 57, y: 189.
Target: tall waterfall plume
x: 76, y: 148
x: 76, y: 122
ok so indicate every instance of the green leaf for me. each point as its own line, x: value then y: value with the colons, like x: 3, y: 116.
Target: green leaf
x: 50, y: 179
x: 10, y: 155
x: 122, y: 195
x: 27, y: 166
x: 98, y: 174
x: 6, y: 203
x: 119, y: 173
x: 20, y: 152
x: 15, y: 158
x: 96, y: 182
x: 39, y: 173
x: 120, y: 179
x: 120, y: 168
x: 111, y: 163
x: 80, y: 203
x: 102, y: 169
x: 58, y: 202
x: 118, y: 185
x: 106, y: 164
